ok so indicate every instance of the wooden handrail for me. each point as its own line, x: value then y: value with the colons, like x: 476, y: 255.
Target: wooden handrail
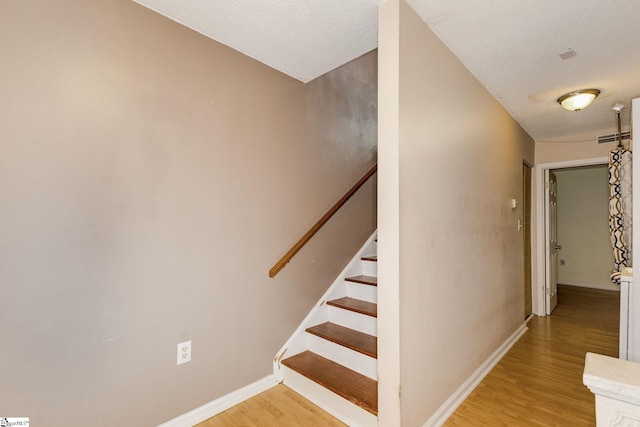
x: 322, y: 221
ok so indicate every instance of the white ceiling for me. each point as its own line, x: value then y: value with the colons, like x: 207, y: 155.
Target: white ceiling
x: 513, y: 47
x: 301, y: 38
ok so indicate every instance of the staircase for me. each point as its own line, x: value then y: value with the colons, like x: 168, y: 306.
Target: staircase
x: 332, y: 357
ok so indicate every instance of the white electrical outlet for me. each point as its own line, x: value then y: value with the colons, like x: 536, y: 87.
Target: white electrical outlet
x: 184, y: 352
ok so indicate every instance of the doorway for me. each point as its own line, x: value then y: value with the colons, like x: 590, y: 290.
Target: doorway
x: 585, y: 256
x: 541, y: 292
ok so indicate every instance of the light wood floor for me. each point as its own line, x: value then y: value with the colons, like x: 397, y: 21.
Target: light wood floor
x: 278, y: 406
x: 537, y: 383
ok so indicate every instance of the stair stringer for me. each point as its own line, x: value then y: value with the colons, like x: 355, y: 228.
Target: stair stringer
x: 299, y: 340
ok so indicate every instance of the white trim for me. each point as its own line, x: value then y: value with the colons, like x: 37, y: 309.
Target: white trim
x: 634, y: 295
x: 541, y: 255
x: 625, y: 340
x: 352, y: 320
x: 452, y: 403
x: 546, y: 201
x: 605, y: 287
x: 221, y: 404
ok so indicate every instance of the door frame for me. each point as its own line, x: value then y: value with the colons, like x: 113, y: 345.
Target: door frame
x: 538, y: 291
x: 528, y: 254
x: 550, y: 228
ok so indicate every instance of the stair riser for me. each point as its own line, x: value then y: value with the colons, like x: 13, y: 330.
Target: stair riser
x: 362, y: 292
x: 348, y: 358
x: 340, y: 408
x: 353, y: 320
x: 370, y: 268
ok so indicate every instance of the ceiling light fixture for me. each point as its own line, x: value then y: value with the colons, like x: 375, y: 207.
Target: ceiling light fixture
x: 578, y: 99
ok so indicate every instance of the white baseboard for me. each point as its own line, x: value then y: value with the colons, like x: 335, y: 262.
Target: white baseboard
x: 221, y: 404
x: 606, y: 286
x: 456, y: 399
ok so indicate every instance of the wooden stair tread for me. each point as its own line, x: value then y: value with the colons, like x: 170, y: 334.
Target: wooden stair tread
x: 359, y: 306
x: 355, y: 340
x: 370, y: 258
x: 356, y: 388
x: 365, y: 280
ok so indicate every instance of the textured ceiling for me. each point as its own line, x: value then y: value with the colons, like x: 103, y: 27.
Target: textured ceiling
x: 301, y: 38
x: 512, y: 47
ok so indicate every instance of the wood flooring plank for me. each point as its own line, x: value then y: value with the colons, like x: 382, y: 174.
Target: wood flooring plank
x: 539, y: 381
x: 278, y: 406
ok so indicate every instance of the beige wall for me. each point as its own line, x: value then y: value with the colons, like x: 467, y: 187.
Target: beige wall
x: 583, y: 227
x: 460, y: 266
x: 149, y: 178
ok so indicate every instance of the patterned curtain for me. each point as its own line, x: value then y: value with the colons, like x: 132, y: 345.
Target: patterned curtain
x: 620, y: 205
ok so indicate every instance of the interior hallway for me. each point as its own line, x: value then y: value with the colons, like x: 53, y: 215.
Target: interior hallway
x: 537, y: 383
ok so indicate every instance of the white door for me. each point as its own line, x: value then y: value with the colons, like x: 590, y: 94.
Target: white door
x: 551, y: 208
